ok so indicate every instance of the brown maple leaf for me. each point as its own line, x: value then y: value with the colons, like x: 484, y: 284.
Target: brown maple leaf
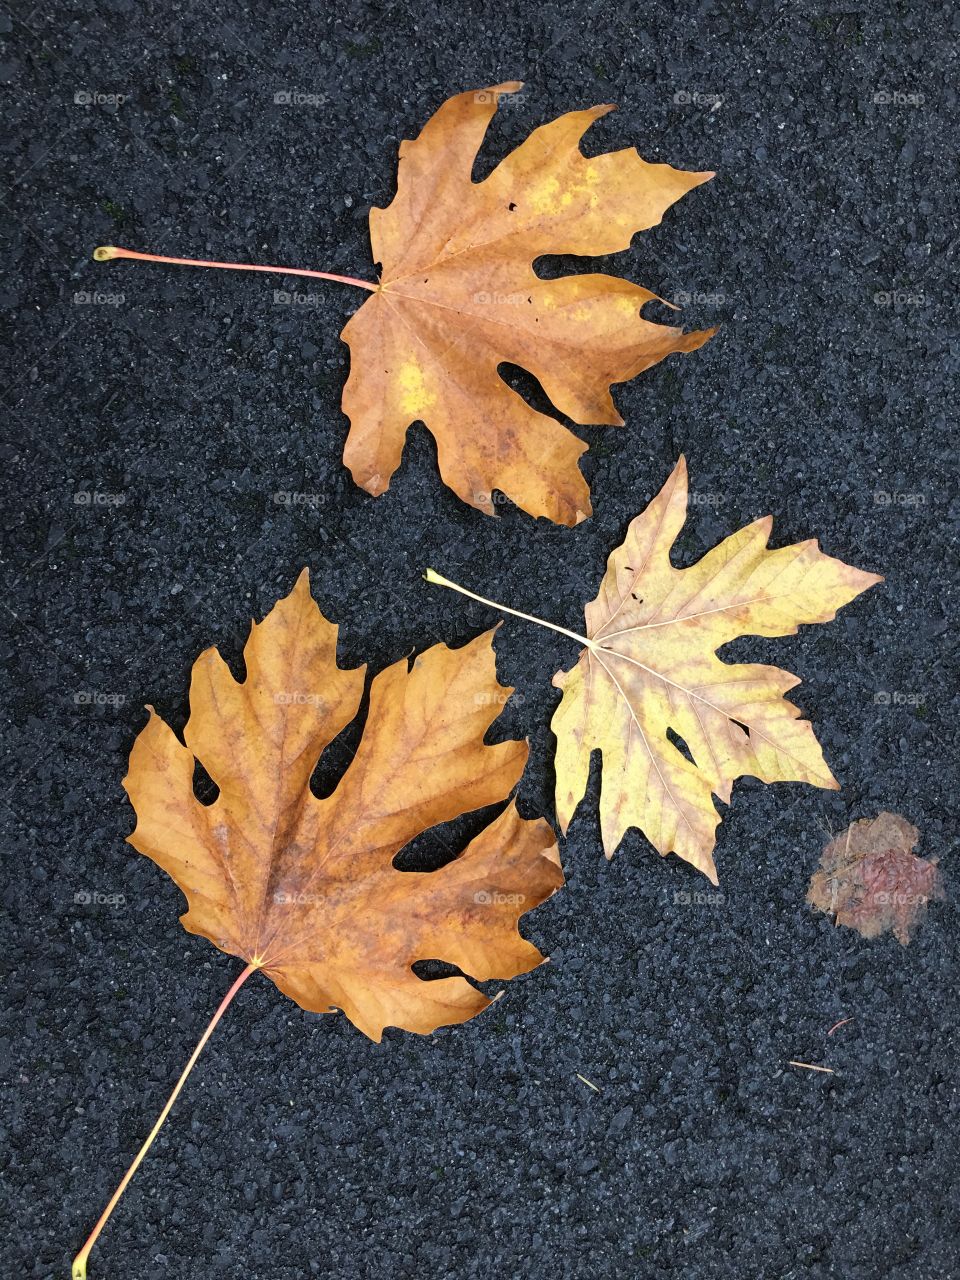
x: 871, y: 881
x: 459, y: 297
x: 305, y: 889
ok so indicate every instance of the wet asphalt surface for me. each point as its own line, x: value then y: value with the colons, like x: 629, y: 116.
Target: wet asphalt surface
x: 151, y: 417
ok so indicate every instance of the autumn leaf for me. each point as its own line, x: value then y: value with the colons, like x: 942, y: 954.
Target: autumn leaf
x: 459, y: 296
x: 673, y: 723
x: 871, y: 881
x: 305, y: 889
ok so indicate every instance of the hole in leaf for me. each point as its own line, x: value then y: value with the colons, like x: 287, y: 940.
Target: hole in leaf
x: 431, y: 970
x: 530, y: 389
x: 681, y: 746
x: 204, y: 787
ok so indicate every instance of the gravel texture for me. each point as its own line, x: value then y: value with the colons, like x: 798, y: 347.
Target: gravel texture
x: 146, y: 436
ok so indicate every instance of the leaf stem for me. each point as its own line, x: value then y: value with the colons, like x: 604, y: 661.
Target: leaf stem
x: 108, y: 251
x: 80, y: 1261
x: 431, y: 575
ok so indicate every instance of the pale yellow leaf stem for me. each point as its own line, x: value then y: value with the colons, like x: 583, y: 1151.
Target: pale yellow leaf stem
x: 431, y: 575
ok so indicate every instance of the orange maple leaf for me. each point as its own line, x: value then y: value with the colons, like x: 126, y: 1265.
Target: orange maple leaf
x: 305, y: 889
x: 459, y: 296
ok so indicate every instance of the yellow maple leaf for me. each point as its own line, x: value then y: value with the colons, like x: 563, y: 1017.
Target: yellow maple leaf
x: 650, y: 669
